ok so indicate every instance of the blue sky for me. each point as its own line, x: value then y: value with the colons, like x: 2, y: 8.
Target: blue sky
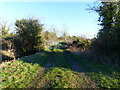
x: 72, y: 15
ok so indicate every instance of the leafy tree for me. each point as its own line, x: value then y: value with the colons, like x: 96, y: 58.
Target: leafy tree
x: 5, y: 30
x: 28, y: 36
x: 108, y: 35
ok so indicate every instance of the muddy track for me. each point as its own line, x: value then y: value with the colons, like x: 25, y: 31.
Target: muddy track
x: 38, y: 78
x: 74, y: 65
x: 41, y: 82
x: 50, y: 62
x: 87, y: 82
x: 38, y: 82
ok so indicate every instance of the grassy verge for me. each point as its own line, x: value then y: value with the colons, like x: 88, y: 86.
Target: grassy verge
x: 105, y: 76
x: 20, y: 73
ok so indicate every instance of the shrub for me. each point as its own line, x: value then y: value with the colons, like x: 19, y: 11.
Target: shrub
x: 28, y: 37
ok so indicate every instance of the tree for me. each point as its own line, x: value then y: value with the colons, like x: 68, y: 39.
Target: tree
x: 28, y: 36
x: 107, y: 42
x: 4, y: 29
x: 108, y: 36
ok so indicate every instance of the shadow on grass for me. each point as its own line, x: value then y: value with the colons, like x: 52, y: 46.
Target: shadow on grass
x: 61, y: 58
x: 65, y: 59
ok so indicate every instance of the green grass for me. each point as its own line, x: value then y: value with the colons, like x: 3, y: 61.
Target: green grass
x: 104, y: 75
x: 61, y: 78
x: 39, y: 58
x: 59, y: 59
x: 24, y: 72
x: 18, y: 74
x: 47, y: 50
x: 57, y: 50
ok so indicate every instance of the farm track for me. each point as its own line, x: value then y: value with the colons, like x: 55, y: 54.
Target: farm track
x: 39, y: 82
x: 50, y: 63
x: 38, y: 78
x: 88, y: 83
x: 58, y: 69
x: 74, y: 65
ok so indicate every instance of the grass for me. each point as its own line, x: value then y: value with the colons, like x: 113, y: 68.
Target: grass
x: 39, y: 58
x: 57, y: 50
x: 59, y: 77
x: 28, y: 72
x: 59, y: 59
x: 18, y: 74
x: 105, y: 76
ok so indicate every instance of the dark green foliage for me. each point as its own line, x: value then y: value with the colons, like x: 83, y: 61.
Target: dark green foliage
x: 28, y: 36
x: 108, y: 38
x: 81, y: 43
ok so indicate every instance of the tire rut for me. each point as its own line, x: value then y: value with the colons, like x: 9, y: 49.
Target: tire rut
x: 87, y: 82
x: 74, y: 65
x: 39, y: 82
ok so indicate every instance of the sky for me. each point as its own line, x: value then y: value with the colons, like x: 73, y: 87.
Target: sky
x: 71, y: 15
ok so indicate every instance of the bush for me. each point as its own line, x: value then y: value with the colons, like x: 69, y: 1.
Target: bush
x: 28, y: 37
